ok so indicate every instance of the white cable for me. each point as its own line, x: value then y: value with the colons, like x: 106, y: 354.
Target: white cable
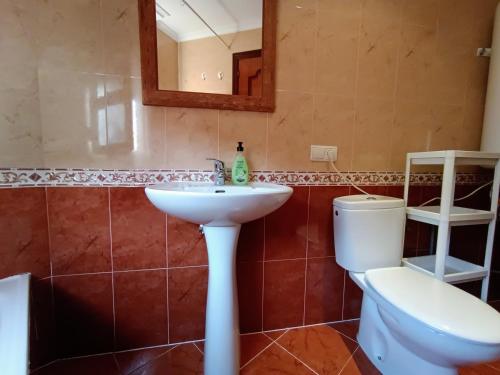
x: 348, y: 180
x: 461, y: 198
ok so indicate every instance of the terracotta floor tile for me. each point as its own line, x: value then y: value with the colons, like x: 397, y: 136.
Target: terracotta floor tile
x: 275, y: 360
x: 251, y: 345
x: 478, y: 370
x: 132, y: 360
x: 325, y: 350
x: 495, y: 365
x: 350, y: 328
x: 359, y: 364
x: 274, y: 335
x: 98, y: 365
x: 182, y: 360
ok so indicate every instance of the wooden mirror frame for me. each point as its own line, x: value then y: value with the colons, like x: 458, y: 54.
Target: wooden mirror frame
x: 152, y: 95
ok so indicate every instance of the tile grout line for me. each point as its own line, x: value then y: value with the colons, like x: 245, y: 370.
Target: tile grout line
x: 196, y: 346
x: 307, y: 254
x: 273, y: 341
x: 297, y: 358
x: 112, y: 270
x: 151, y: 361
x: 348, y: 360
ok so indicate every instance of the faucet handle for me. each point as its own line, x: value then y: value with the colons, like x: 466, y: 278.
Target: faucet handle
x: 219, y: 164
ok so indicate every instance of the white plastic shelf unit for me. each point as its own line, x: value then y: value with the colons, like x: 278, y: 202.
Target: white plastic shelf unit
x: 442, y: 265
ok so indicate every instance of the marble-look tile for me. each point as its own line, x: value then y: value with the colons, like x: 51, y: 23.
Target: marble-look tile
x: 192, y: 136
x: 333, y: 124
x: 324, y: 291
x: 97, y: 365
x: 338, y: 25
x: 446, y: 131
x: 79, y: 230
x: 290, y: 129
x: 372, y: 141
x: 141, y: 309
x: 321, y: 347
x: 251, y: 241
x: 482, y: 369
x: 138, y: 231
x: 422, y: 13
x: 294, y: 50
x: 69, y: 35
x: 83, y: 314
x: 320, y: 236
x: 187, y: 294
x: 24, y: 244
x: 120, y: 23
x: 249, y: 128
x: 186, y: 245
x: 284, y: 293
x: 131, y: 360
x: 183, y: 359
x: 353, y: 297
x: 250, y: 288
x: 347, y: 328
x: 286, y: 228
x: 275, y: 360
x: 73, y: 118
x: 359, y: 364
x: 251, y: 345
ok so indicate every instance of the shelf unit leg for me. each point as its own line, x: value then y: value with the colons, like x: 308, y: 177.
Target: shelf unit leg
x: 443, y: 237
x: 491, y: 232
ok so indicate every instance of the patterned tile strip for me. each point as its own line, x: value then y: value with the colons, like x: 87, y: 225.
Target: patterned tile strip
x: 24, y: 177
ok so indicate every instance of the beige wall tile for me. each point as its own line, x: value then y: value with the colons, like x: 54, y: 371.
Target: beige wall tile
x: 372, y: 135
x: 250, y: 128
x: 337, y: 49
x: 290, y: 132
x: 73, y: 118
x: 192, y: 136
x: 416, y: 56
x: 446, y: 130
x: 421, y: 12
x: 295, y: 46
x: 120, y: 25
x: 333, y: 125
x: 69, y: 34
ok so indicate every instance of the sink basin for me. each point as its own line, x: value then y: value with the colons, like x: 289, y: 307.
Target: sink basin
x: 221, y: 210
x: 211, y: 205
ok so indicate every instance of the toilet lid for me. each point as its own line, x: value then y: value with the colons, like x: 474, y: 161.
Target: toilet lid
x: 440, y: 305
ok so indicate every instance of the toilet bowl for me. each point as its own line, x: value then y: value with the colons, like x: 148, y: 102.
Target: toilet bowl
x: 410, y: 322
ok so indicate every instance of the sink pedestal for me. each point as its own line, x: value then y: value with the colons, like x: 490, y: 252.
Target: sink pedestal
x: 222, y: 334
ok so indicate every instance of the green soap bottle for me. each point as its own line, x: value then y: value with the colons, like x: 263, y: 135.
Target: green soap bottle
x: 239, y: 173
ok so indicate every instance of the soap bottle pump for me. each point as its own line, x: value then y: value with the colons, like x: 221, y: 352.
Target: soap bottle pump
x: 239, y: 173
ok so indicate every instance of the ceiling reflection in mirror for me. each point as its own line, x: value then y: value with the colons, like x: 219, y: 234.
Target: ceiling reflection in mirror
x: 210, y: 46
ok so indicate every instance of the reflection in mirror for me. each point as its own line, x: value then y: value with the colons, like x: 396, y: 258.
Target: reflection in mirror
x: 210, y: 46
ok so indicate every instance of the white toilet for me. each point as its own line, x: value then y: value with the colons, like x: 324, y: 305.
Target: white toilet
x: 410, y: 323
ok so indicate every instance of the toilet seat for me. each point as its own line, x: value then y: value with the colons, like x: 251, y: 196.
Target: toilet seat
x: 441, y: 306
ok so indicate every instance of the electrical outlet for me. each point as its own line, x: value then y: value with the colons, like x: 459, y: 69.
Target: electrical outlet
x: 323, y: 153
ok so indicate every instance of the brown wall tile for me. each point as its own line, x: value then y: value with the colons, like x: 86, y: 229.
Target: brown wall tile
x: 187, y: 298
x: 186, y: 245
x: 138, y: 231
x: 24, y: 244
x: 324, y: 291
x: 84, y: 314
x: 353, y: 296
x: 284, y: 293
x: 42, y: 327
x: 251, y: 241
x: 79, y: 230
x: 320, y: 226
x: 286, y: 228
x: 141, y: 309
x: 250, y: 289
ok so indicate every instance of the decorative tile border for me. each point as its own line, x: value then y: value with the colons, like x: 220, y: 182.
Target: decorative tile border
x: 25, y: 177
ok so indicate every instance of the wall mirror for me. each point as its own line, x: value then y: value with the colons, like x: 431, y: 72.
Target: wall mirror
x: 208, y: 53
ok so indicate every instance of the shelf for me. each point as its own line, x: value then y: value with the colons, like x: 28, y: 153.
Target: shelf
x: 461, y: 157
x: 458, y: 215
x: 456, y: 270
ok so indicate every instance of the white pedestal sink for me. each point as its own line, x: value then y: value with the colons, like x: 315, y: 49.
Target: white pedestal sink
x: 221, y: 210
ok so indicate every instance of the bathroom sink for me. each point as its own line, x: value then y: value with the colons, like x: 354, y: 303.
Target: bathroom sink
x: 211, y: 205
x: 221, y: 210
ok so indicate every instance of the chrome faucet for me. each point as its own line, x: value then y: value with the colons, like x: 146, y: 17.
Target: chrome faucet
x: 219, y: 171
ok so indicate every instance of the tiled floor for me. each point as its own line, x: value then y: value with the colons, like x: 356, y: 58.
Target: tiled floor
x: 321, y: 349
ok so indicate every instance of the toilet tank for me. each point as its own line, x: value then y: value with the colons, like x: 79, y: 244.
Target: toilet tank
x: 368, y: 231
